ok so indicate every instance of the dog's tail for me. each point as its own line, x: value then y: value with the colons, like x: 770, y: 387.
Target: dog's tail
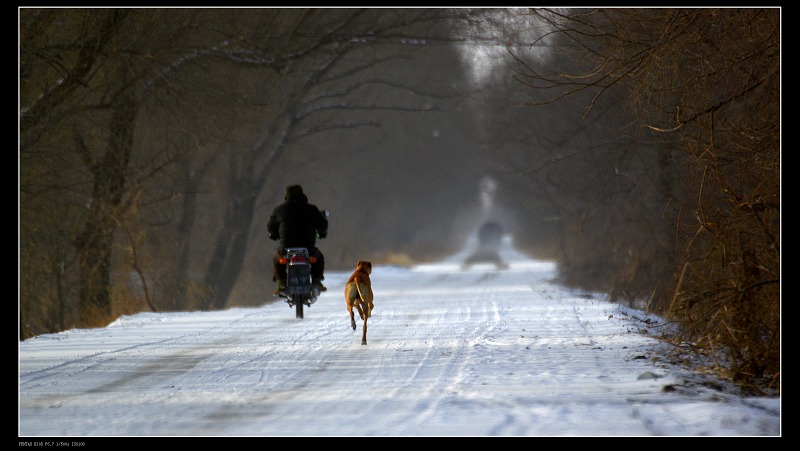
x: 358, y: 288
x: 353, y: 290
x: 364, y: 302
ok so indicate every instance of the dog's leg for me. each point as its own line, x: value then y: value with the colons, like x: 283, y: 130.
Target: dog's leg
x: 361, y: 303
x: 352, y: 315
x: 364, y: 333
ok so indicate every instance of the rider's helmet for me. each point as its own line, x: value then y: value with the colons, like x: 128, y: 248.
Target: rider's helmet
x: 294, y: 192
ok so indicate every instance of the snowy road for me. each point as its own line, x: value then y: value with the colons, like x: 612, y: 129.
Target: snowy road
x: 451, y: 352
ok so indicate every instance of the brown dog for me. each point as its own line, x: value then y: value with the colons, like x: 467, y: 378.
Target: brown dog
x: 358, y: 294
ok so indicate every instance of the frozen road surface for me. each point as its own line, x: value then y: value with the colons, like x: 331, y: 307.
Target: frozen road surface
x: 451, y: 352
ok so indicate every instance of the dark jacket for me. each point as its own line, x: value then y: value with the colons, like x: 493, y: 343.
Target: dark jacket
x: 296, y: 223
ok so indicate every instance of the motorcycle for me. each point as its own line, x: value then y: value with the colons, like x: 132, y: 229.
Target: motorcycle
x: 300, y: 290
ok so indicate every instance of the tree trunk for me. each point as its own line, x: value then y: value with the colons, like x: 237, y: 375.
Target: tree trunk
x: 231, y: 244
x: 94, y: 244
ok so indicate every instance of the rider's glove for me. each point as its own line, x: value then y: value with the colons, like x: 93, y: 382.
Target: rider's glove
x: 322, y: 235
x: 273, y: 237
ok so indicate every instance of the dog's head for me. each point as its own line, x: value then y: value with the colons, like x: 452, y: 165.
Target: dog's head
x: 364, y: 266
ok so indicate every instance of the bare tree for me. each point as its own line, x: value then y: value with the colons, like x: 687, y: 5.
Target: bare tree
x: 323, y: 89
x: 53, y: 76
x: 705, y: 83
x: 85, y: 76
x: 126, y: 113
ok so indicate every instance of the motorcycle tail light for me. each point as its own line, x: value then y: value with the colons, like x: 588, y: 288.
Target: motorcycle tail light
x: 298, y: 259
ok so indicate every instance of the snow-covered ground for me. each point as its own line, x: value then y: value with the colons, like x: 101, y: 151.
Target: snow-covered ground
x: 451, y: 352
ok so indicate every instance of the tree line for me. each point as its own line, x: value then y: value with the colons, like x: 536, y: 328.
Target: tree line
x: 687, y: 224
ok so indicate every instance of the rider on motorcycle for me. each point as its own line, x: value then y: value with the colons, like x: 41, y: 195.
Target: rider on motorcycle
x: 296, y: 223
